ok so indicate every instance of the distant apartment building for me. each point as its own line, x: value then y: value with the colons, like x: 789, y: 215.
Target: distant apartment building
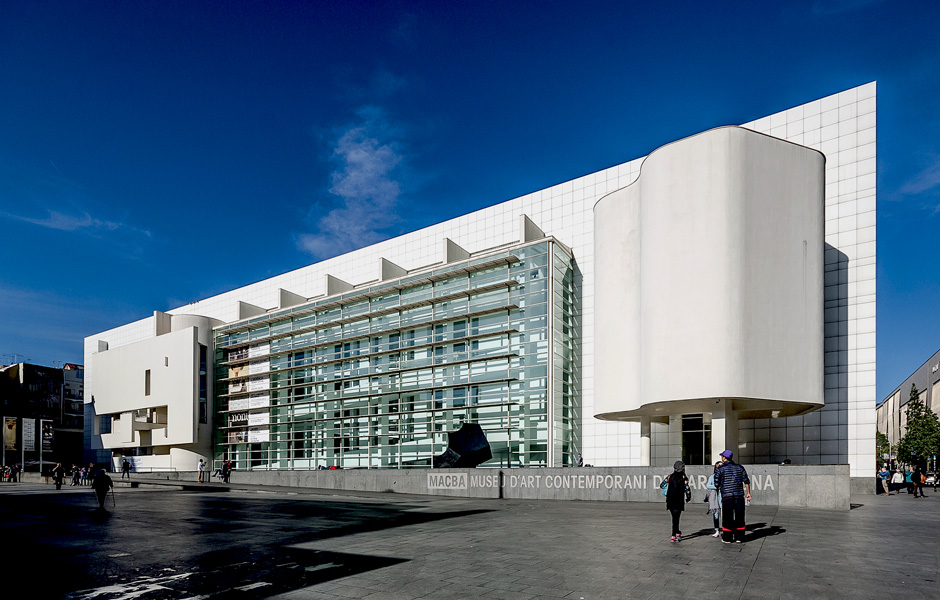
x: 43, y: 413
x: 892, y: 410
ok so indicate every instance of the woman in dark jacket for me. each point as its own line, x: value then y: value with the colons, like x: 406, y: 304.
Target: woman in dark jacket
x: 677, y: 494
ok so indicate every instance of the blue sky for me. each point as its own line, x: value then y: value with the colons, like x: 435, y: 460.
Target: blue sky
x: 156, y: 153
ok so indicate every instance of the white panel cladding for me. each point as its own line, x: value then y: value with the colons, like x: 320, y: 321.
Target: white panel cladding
x: 842, y: 127
x: 565, y: 211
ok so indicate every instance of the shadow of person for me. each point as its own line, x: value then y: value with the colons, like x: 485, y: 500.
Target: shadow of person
x: 699, y: 533
x: 763, y: 532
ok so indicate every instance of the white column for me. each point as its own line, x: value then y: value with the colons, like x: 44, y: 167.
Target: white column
x: 645, y: 442
x: 724, y: 429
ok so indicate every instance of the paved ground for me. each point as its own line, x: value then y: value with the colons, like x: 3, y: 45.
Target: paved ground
x: 156, y: 544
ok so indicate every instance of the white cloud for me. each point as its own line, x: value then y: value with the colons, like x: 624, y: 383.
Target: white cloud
x: 367, y: 157
x: 924, y: 181
x: 63, y: 222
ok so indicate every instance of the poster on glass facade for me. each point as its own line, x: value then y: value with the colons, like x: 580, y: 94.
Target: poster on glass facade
x: 238, y: 404
x: 259, y: 434
x: 29, y: 435
x: 259, y: 418
x: 257, y: 401
x: 237, y: 437
x: 48, y: 435
x: 9, y: 433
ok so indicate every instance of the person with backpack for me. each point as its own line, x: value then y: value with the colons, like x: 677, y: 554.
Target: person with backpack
x: 735, y: 488
x: 677, y: 494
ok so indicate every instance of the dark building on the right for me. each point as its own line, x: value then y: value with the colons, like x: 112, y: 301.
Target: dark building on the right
x: 892, y: 411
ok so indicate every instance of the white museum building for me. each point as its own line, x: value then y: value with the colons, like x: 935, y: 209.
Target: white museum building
x: 717, y: 293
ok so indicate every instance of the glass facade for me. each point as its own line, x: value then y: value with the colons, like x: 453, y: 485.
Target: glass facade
x: 377, y: 376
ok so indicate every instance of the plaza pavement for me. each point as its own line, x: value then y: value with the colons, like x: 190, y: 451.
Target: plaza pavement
x: 257, y: 542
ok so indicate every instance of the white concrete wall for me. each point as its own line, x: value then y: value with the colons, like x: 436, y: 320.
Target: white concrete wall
x: 173, y: 363
x: 710, y: 265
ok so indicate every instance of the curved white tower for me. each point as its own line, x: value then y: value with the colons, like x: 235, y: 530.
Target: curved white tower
x: 709, y: 283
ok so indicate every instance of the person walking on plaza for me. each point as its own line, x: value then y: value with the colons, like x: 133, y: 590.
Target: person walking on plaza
x: 58, y: 474
x: 897, y: 480
x: 735, y: 488
x: 226, y: 471
x: 677, y: 494
x: 126, y: 470
x: 101, y: 484
x: 714, y: 502
x: 885, y: 476
x: 580, y: 460
x: 201, y: 468
x: 918, y: 482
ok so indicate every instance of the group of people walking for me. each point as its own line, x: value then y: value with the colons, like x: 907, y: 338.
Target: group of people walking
x: 728, y: 492
x: 11, y: 473
x: 912, y: 479
x: 99, y: 479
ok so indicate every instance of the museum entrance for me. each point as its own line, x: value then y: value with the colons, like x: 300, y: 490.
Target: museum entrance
x: 696, y: 439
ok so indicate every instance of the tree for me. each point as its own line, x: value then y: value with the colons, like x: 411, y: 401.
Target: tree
x: 883, y: 447
x: 922, y: 438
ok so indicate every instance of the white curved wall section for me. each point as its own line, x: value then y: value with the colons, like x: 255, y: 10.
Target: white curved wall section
x: 709, y: 281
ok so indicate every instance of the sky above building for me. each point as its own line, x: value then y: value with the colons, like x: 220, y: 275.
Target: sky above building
x: 154, y: 154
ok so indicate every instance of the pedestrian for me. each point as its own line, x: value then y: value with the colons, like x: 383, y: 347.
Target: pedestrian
x: 58, y: 474
x: 677, y: 494
x: 226, y: 471
x: 907, y: 480
x: 101, y: 483
x: 201, y: 468
x: 125, y: 470
x: 735, y: 488
x: 15, y: 472
x: 917, y: 481
x: 75, y: 475
x: 885, y: 479
x: 580, y: 460
x: 714, y: 502
x: 897, y: 480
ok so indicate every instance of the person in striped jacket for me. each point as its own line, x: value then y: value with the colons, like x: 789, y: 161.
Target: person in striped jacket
x: 734, y: 486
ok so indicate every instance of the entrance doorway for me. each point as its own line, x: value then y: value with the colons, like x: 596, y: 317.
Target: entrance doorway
x: 696, y: 439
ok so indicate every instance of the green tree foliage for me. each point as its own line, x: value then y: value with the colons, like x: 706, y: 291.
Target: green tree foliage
x: 882, y: 447
x: 921, y: 440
